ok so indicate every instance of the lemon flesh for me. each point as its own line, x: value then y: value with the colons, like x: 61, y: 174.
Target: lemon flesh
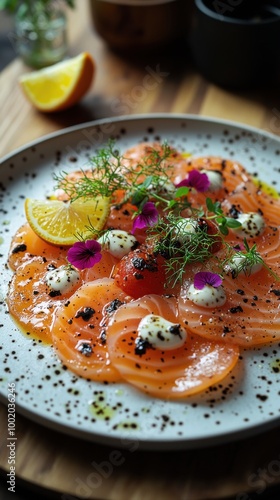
x: 63, y: 223
x: 61, y: 85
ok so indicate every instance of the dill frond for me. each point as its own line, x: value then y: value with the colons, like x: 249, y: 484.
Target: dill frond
x: 181, y: 247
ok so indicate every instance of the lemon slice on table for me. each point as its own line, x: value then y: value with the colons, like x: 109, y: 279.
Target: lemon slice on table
x: 59, y: 223
x: 61, y: 85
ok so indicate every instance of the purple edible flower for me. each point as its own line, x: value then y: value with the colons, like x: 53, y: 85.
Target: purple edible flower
x: 196, y: 180
x: 206, y: 278
x: 84, y: 254
x: 148, y: 217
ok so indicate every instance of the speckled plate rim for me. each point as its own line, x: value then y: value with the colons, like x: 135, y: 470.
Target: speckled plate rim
x: 138, y: 118
x: 159, y: 442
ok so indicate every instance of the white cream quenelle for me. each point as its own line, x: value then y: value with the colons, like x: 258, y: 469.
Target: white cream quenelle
x: 208, y: 296
x: 161, y: 333
x: 239, y: 264
x: 185, y: 228
x: 215, y: 178
x: 252, y: 225
x: 62, y: 279
x: 117, y: 242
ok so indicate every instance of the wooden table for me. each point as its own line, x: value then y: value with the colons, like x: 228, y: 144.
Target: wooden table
x: 55, y: 461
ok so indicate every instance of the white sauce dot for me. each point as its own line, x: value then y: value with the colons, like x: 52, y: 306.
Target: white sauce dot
x: 185, y: 228
x: 164, y: 188
x: 117, y: 242
x: 252, y: 225
x: 63, y: 279
x: 237, y: 266
x: 209, y: 296
x: 161, y: 333
x: 216, y: 180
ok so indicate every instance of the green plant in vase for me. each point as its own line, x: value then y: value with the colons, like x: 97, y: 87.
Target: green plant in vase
x: 40, y: 30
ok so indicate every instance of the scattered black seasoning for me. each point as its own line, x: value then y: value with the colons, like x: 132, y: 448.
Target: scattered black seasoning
x: 236, y: 309
x: 176, y: 330
x: 51, y: 267
x: 86, y: 313
x: 240, y: 292
x: 138, y: 276
x: 54, y: 293
x: 113, y: 306
x: 149, y: 263
x: 234, y: 212
x: 19, y: 248
x: 85, y: 348
x: 276, y: 292
x: 103, y: 337
x: 226, y: 330
x: 141, y: 346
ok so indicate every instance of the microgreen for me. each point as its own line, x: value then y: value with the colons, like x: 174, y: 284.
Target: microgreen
x: 180, y: 247
x: 223, y: 222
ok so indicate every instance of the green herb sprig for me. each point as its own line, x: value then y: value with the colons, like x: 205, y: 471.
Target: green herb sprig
x: 223, y: 222
x: 180, y: 247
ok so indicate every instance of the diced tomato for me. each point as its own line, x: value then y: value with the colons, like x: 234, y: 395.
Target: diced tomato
x: 141, y: 272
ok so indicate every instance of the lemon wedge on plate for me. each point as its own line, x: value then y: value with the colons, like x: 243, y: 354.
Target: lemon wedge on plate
x: 60, y: 222
x: 61, y: 85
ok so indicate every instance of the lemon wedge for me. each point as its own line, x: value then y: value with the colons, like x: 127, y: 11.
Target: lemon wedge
x: 60, y: 222
x: 61, y: 85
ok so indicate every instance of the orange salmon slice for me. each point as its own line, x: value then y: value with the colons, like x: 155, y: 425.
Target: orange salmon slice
x: 26, y: 244
x: 79, y: 330
x: 170, y: 374
x: 30, y: 300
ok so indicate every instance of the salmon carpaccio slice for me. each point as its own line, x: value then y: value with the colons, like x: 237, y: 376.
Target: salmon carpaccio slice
x: 254, y: 200
x: 79, y: 329
x: 26, y: 244
x: 249, y: 317
x: 169, y: 374
x: 30, y: 300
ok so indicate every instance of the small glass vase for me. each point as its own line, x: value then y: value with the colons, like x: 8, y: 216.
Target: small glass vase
x: 40, y: 37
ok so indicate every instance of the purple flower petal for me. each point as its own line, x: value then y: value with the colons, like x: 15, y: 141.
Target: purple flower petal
x: 148, y: 217
x: 84, y: 254
x: 206, y: 278
x: 196, y: 180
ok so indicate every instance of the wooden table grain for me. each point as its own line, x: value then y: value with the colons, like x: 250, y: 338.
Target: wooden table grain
x: 165, y: 82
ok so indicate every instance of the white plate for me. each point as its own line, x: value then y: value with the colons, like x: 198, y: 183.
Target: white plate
x: 246, y: 402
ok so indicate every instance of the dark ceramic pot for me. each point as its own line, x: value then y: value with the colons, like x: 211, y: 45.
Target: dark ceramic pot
x: 236, y: 43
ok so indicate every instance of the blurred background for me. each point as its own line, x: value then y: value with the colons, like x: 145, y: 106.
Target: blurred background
x: 7, y: 51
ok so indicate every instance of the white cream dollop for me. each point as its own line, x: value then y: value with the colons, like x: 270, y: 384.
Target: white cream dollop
x: 208, y: 296
x: 62, y: 279
x: 164, y: 188
x: 185, y: 228
x: 117, y: 242
x: 252, y: 225
x: 161, y: 333
x: 215, y: 178
x: 238, y: 265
